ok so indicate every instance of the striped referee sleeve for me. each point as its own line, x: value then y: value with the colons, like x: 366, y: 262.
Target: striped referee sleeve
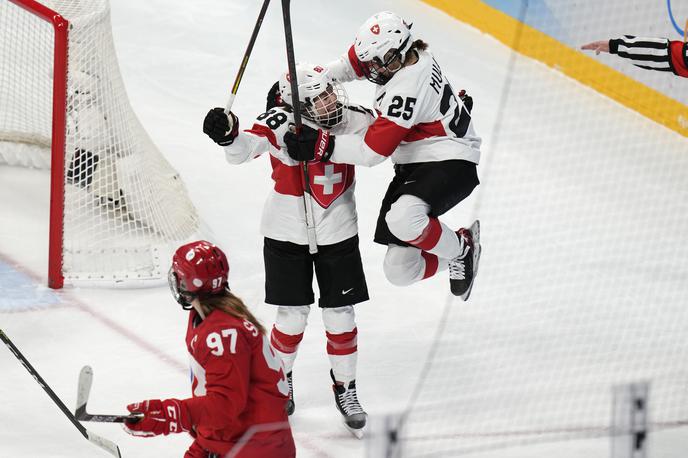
x: 652, y: 53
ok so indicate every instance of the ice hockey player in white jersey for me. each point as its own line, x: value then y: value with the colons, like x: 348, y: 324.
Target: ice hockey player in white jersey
x: 426, y: 129
x: 288, y: 264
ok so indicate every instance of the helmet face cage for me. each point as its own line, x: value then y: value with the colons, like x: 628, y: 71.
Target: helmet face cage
x: 327, y: 108
x: 322, y: 99
x: 182, y: 297
x: 380, y: 72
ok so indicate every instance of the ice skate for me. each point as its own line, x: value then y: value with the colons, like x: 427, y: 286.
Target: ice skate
x: 464, y: 267
x: 347, y: 403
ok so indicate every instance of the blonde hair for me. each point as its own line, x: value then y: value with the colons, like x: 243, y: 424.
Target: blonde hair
x: 230, y: 304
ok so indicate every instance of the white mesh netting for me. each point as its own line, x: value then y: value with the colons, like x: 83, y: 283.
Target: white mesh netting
x: 583, y: 205
x: 126, y: 208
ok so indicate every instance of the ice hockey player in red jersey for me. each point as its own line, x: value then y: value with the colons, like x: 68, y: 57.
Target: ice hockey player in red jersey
x: 239, y: 386
x: 659, y: 54
x: 289, y: 265
x: 425, y: 127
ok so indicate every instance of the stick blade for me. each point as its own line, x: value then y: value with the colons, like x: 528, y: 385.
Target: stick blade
x: 83, y: 391
x: 105, y: 444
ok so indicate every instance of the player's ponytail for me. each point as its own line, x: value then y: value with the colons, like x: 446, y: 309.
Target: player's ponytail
x: 419, y: 45
x: 231, y: 304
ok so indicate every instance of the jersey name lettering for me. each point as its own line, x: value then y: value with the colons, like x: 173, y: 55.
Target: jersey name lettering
x: 436, y: 77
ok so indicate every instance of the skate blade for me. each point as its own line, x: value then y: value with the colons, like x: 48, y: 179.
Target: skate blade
x: 475, y: 232
x: 467, y: 294
x: 358, y: 433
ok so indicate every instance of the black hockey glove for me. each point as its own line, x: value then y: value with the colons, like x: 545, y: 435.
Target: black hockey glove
x: 310, y: 145
x: 274, y: 98
x: 222, y: 128
x: 467, y: 100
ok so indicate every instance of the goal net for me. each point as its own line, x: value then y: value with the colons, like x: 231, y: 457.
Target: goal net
x: 117, y: 206
x: 582, y: 288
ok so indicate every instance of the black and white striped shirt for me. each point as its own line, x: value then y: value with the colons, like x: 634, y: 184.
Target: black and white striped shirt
x: 659, y: 54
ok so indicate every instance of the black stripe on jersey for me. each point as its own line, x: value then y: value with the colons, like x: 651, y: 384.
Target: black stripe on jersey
x: 381, y: 97
x: 360, y: 109
x: 643, y: 57
x: 667, y: 69
x: 645, y: 44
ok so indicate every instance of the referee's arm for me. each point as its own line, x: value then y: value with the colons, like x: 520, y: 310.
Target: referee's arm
x: 658, y: 54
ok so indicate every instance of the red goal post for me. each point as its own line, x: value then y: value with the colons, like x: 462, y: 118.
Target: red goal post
x: 59, y: 125
x: 118, y: 209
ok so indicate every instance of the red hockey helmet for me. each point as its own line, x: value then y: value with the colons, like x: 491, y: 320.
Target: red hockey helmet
x: 198, y: 269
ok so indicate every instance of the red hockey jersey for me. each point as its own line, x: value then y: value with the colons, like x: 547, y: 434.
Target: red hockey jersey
x: 238, y: 383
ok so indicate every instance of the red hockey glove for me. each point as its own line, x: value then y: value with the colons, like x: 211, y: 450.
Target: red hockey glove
x: 310, y: 144
x: 160, y: 417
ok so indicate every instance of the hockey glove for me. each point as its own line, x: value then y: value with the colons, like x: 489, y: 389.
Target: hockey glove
x: 310, y: 145
x: 160, y: 417
x: 467, y: 100
x: 274, y: 98
x: 219, y: 126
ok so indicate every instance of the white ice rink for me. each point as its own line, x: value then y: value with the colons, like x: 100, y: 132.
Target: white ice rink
x: 562, y: 157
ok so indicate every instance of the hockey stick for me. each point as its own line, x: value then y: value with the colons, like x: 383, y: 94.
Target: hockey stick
x: 82, y: 394
x: 247, y: 55
x: 101, y: 442
x: 291, y: 61
x: 307, y: 200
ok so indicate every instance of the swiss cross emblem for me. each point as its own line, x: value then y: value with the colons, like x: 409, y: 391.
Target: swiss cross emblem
x: 329, y: 181
x: 318, y: 69
x: 375, y: 29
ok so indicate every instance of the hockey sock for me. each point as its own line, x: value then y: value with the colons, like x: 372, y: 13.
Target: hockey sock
x: 286, y: 346
x: 438, y: 239
x: 342, y: 342
x: 287, y: 332
x: 404, y: 266
x: 408, y: 219
x: 431, y: 264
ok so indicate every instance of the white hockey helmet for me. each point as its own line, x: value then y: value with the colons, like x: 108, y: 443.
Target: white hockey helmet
x: 381, y: 45
x: 322, y: 98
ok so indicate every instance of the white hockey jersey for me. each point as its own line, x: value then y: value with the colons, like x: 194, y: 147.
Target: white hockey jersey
x: 420, y: 117
x: 332, y: 185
